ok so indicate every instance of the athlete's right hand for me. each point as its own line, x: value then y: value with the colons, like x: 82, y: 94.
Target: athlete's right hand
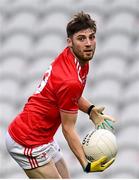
x: 98, y: 165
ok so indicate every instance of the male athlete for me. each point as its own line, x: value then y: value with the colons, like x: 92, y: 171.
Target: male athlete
x: 57, y: 101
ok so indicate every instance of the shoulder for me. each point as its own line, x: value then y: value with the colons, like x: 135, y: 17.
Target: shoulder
x: 65, y: 58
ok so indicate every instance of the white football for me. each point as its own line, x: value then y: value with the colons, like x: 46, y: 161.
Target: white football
x: 100, y: 143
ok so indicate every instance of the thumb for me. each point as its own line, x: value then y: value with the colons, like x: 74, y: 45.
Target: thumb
x: 106, y: 165
x: 100, y: 109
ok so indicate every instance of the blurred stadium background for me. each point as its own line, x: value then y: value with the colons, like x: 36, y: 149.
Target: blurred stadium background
x: 32, y: 33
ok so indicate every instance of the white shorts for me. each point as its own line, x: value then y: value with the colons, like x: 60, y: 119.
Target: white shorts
x: 29, y: 158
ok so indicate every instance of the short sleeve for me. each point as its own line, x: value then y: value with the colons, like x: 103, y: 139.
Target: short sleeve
x: 68, y: 96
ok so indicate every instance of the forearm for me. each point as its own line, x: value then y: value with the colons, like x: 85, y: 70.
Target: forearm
x: 84, y: 104
x: 75, y: 145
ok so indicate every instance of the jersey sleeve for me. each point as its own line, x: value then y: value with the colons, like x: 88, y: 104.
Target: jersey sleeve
x: 68, y: 96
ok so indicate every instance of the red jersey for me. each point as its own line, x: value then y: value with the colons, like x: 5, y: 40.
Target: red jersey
x: 60, y: 90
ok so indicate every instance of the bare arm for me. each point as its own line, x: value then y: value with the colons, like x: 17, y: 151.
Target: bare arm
x: 84, y: 104
x: 68, y: 128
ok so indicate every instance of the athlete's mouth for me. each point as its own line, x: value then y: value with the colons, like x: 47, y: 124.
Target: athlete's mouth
x: 88, y: 50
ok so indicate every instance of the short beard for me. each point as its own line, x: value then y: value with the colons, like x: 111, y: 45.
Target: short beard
x: 81, y: 58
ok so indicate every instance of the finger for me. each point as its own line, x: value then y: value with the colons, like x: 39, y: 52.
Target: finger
x: 99, y: 126
x: 103, y: 159
x: 105, y: 125
x: 106, y: 165
x: 109, y: 118
x: 108, y: 124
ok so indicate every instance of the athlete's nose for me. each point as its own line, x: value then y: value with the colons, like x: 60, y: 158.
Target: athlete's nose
x: 88, y: 42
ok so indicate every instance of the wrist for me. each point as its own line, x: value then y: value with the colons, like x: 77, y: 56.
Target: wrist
x: 84, y: 163
x: 87, y: 168
x: 89, y: 109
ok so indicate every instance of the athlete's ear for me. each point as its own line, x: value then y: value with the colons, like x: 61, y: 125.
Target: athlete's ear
x: 69, y: 42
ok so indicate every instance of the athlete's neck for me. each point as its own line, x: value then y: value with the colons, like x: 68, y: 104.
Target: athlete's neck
x: 81, y: 62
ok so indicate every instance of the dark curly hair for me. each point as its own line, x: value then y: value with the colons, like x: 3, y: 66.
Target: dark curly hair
x: 80, y: 21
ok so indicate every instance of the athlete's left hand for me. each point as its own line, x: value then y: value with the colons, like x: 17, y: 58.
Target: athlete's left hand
x: 98, y: 165
x: 101, y: 121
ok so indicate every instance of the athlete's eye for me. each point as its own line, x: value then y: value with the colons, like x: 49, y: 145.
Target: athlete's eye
x: 92, y: 37
x: 81, y: 38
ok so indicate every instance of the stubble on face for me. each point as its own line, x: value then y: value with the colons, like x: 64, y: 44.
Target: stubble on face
x: 83, y: 45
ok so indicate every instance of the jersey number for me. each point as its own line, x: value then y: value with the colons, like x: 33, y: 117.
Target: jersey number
x: 44, y: 81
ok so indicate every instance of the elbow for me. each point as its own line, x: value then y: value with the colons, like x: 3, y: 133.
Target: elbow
x: 66, y: 131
